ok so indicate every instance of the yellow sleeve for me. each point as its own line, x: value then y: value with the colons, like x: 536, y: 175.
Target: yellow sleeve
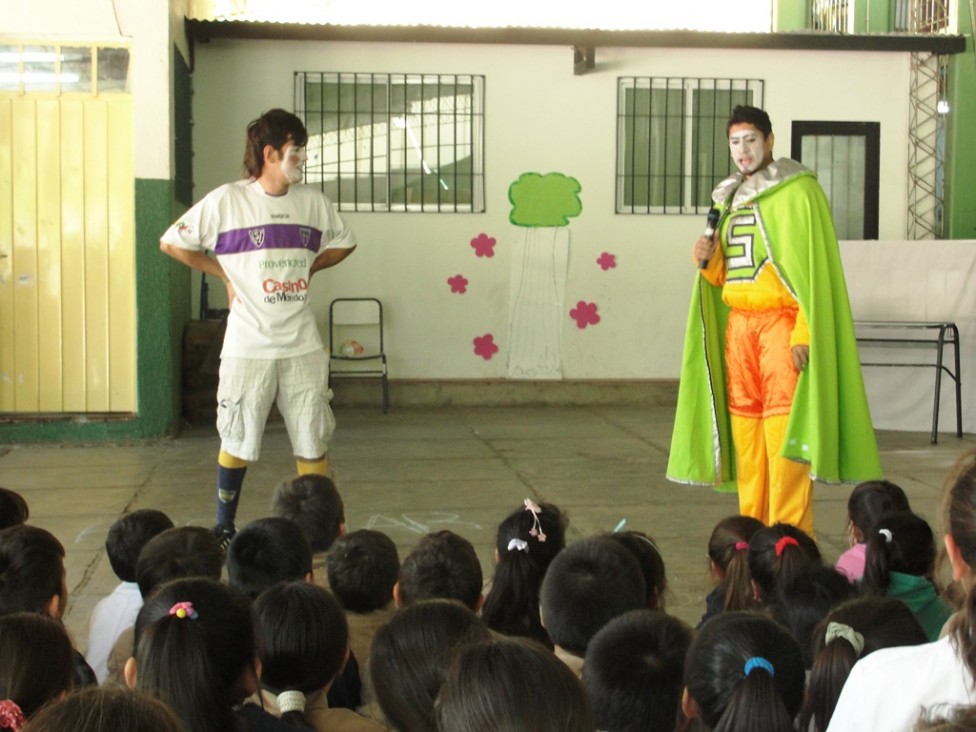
x: 714, y: 273
x: 801, y: 331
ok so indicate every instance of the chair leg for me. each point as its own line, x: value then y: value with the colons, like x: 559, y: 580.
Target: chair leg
x: 386, y: 396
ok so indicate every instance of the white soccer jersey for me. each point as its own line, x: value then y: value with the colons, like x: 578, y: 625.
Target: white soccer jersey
x: 266, y: 245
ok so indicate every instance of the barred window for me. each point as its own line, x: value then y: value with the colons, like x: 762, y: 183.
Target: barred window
x: 395, y: 142
x: 671, y: 143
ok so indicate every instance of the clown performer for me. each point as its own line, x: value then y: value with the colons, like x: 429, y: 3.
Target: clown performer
x: 270, y: 234
x: 770, y: 361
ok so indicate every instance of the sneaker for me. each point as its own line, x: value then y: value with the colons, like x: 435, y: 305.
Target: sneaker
x: 223, y: 534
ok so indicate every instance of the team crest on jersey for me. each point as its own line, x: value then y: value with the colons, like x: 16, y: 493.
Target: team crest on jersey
x: 257, y: 237
x: 306, y: 234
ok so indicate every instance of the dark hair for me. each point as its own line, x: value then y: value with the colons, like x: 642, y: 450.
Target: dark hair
x: 442, y: 565
x: 869, y: 500
x: 101, y: 709
x: 37, y: 660
x: 732, y: 560
x: 651, y: 562
x: 512, y: 604
x: 510, y: 685
x: 947, y: 718
x: 744, y: 114
x: 911, y: 549
x: 363, y: 567
x: 194, y: 663
x: 178, y: 553
x: 882, y: 622
x: 31, y: 569
x: 588, y: 584
x: 301, y: 639
x: 266, y: 552
x: 777, y: 553
x: 313, y: 502
x: 128, y: 535
x: 276, y: 127
x: 729, y: 698
x: 807, y: 598
x: 633, y: 671
x: 410, y: 657
x: 13, y: 508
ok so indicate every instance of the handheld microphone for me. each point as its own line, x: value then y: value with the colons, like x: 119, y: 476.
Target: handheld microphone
x: 712, y: 222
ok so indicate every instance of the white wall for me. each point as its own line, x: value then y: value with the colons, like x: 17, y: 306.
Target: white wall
x: 541, y: 118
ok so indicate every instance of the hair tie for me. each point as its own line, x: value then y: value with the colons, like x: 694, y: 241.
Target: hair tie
x: 840, y: 630
x: 886, y: 533
x: 184, y: 610
x: 536, y: 530
x: 741, y: 546
x: 11, y: 715
x: 758, y: 662
x: 291, y: 701
x: 518, y: 545
x: 785, y: 542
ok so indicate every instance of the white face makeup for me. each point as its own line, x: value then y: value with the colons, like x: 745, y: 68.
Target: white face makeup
x: 748, y: 148
x: 293, y: 163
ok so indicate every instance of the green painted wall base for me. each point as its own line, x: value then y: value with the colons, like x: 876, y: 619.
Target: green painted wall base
x: 163, y: 306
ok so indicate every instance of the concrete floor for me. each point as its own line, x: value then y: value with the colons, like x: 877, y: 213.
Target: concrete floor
x: 417, y: 470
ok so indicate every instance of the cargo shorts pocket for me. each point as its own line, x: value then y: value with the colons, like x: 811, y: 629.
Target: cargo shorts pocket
x: 230, y: 418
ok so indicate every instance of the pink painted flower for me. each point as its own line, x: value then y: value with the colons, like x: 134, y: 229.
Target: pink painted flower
x: 458, y: 283
x: 607, y: 261
x: 485, y: 347
x: 483, y: 245
x: 584, y: 314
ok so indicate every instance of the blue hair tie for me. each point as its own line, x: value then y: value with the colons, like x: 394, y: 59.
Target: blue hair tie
x: 759, y: 662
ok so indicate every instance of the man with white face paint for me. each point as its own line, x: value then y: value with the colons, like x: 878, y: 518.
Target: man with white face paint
x: 269, y: 235
x: 771, y: 392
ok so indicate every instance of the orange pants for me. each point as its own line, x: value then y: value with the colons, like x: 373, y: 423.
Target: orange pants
x: 761, y: 382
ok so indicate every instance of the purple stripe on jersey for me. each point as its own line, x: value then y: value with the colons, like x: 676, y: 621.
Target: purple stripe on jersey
x: 269, y: 236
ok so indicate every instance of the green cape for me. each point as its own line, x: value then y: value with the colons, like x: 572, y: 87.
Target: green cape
x: 830, y: 424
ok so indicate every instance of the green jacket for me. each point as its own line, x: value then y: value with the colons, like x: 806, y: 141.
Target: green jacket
x: 830, y: 424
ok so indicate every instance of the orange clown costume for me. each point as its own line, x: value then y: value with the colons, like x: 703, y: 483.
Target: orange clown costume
x: 774, y: 283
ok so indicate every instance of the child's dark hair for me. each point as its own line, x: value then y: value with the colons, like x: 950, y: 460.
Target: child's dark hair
x: 524, y: 552
x: 410, y: 657
x: 31, y: 569
x: 777, y: 553
x: 266, y: 552
x: 178, y: 553
x: 744, y: 114
x: 959, y: 522
x: 804, y: 601
x: 870, y: 500
x: 37, y: 660
x: 128, y: 535
x: 588, y: 584
x: 442, y: 565
x: 275, y: 127
x: 301, y: 640
x: 745, y: 672
x: 899, y: 542
x: 875, y: 622
x: 313, y: 502
x: 728, y: 549
x: 651, y: 562
x: 633, y: 672
x: 13, y: 508
x: 363, y: 567
x: 101, y: 709
x: 192, y: 659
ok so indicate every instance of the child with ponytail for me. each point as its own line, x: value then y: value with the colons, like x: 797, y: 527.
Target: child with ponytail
x: 891, y: 688
x: 777, y: 555
x: 728, y: 563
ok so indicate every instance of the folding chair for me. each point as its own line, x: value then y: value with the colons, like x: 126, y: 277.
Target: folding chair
x: 356, y: 341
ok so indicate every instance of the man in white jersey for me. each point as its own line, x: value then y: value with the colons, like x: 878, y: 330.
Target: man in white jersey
x: 269, y: 235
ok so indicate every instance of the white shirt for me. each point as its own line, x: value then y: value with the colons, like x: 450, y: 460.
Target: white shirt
x: 111, y: 616
x: 266, y: 245
x: 890, y: 688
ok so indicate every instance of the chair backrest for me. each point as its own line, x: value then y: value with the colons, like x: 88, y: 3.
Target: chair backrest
x: 358, y: 320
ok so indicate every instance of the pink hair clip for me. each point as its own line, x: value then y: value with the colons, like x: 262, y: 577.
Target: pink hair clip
x: 184, y: 610
x: 11, y: 715
x: 741, y: 546
x: 536, y: 530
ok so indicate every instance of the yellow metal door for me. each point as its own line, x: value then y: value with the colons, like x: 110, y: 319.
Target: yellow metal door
x: 67, y: 254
